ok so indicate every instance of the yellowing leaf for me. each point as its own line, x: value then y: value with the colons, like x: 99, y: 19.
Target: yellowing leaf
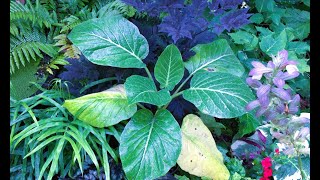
x: 199, y: 154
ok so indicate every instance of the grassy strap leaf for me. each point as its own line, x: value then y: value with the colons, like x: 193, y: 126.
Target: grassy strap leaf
x: 273, y: 43
x: 55, y: 159
x: 199, y: 154
x: 142, y: 89
x: 169, y: 68
x: 111, y: 41
x: 216, y: 56
x: 218, y: 94
x: 150, y: 141
x: 102, y: 109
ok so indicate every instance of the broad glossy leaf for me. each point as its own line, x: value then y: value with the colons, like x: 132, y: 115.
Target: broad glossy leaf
x: 199, y: 154
x: 102, y: 109
x: 218, y: 94
x: 169, y: 68
x: 273, y: 43
x: 150, y: 144
x: 111, y: 41
x: 217, y: 56
x: 142, y: 89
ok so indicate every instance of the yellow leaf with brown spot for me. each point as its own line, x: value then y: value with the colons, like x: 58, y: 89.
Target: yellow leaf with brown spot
x: 199, y: 154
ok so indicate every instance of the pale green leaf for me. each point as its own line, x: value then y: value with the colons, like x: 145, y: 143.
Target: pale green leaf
x: 218, y: 94
x: 142, y: 89
x: 102, y: 109
x: 111, y: 41
x: 169, y: 68
x: 150, y: 141
x: 199, y: 154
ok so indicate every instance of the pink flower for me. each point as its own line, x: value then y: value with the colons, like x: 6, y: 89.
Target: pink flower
x: 258, y: 70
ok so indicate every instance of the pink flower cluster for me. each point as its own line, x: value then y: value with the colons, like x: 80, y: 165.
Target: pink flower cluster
x: 267, y: 168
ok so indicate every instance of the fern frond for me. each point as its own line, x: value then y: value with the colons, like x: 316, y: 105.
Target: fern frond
x: 27, y: 48
x: 71, y: 22
x: 27, y: 12
x: 70, y: 51
x: 58, y: 60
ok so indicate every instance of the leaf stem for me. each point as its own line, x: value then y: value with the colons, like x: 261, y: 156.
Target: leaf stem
x: 300, y: 167
x: 148, y: 72
x: 177, y: 93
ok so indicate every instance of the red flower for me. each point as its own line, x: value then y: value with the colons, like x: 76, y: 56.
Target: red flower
x: 267, y: 171
x: 277, y: 151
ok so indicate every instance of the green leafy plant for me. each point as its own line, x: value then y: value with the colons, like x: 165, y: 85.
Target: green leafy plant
x: 44, y: 141
x: 154, y: 138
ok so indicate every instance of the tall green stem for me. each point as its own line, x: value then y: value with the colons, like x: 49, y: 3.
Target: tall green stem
x: 300, y: 167
x: 148, y: 72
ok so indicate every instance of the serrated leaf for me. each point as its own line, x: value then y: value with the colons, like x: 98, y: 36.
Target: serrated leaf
x: 299, y: 21
x: 111, y: 41
x: 265, y: 5
x: 169, y: 68
x: 298, y: 47
x: 250, y: 41
x: 150, y: 141
x: 218, y: 56
x: 276, y: 15
x: 264, y: 31
x: 272, y: 44
x: 102, y: 109
x: 218, y: 94
x: 301, y: 63
x: 142, y: 89
x: 199, y: 154
x: 256, y: 18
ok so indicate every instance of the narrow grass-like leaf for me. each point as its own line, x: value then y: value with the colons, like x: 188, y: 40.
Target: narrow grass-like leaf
x: 86, y: 147
x: 55, y: 159
x: 44, y: 143
x: 30, y: 112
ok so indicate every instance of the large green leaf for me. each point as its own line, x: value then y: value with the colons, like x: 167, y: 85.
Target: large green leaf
x: 273, y: 43
x: 218, y: 94
x: 150, y: 145
x: 142, y: 89
x: 216, y: 56
x: 199, y: 154
x: 169, y: 68
x: 102, y: 109
x: 111, y: 41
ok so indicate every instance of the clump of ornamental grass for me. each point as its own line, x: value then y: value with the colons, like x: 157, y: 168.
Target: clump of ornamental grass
x: 279, y: 105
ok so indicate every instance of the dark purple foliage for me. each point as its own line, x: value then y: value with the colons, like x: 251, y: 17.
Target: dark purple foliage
x: 185, y: 21
x: 233, y: 19
x: 77, y: 72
